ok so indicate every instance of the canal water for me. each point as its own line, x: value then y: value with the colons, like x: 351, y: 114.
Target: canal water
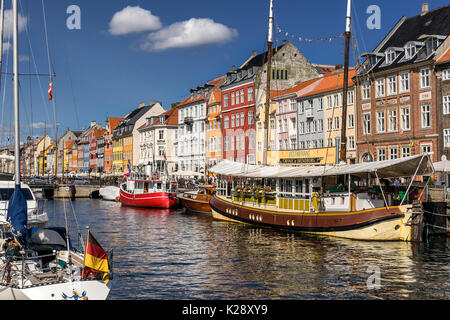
x: 172, y: 255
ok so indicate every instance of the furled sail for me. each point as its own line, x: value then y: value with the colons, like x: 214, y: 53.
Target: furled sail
x: 17, y: 214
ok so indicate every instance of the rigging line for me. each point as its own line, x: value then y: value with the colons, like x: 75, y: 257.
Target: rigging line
x: 5, y: 82
x: 35, y: 67
x: 71, y: 83
x: 49, y: 66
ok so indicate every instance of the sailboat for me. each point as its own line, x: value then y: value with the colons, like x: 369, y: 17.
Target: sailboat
x: 36, y: 217
x: 342, y: 200
x: 42, y: 264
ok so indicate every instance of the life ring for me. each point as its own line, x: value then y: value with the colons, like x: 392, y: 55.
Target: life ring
x: 118, y: 198
x: 171, y: 196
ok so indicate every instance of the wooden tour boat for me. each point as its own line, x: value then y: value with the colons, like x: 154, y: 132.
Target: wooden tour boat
x: 198, y: 201
x: 311, y: 199
x: 138, y: 191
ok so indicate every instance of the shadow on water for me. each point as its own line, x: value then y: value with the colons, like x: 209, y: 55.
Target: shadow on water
x: 171, y: 254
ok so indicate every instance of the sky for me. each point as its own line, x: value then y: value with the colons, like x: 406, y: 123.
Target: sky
x: 112, y: 54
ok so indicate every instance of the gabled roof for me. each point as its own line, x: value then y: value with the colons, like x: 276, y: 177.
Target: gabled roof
x: 126, y: 126
x: 444, y: 58
x: 170, y: 119
x: 331, y: 83
x: 415, y: 29
x: 280, y: 94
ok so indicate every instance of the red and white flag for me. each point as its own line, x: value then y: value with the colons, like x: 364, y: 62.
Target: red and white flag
x: 50, y: 90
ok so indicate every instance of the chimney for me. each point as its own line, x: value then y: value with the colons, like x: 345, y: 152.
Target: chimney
x: 338, y: 66
x: 425, y: 8
x: 233, y: 68
x: 141, y: 104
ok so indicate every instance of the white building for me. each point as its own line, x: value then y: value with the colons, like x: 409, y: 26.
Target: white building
x: 157, y: 146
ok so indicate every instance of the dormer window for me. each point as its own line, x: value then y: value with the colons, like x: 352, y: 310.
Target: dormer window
x: 390, y: 56
x: 410, y: 50
x: 161, y: 119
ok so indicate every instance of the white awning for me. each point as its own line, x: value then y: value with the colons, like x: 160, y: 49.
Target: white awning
x: 442, y: 166
x: 401, y: 167
x: 186, y: 174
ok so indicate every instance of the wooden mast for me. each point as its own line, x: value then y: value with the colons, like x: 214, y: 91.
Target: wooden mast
x: 269, y: 72
x: 343, y: 150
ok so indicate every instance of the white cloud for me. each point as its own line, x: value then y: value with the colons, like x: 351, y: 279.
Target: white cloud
x: 191, y: 33
x: 8, y: 24
x: 133, y: 20
x: 39, y: 125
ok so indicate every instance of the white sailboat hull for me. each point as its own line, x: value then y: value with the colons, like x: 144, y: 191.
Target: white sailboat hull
x: 76, y: 290
x: 110, y: 193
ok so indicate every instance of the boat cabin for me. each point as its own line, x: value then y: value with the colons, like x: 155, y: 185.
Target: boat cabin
x: 338, y: 188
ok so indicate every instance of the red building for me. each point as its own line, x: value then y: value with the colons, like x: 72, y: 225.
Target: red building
x: 238, y: 116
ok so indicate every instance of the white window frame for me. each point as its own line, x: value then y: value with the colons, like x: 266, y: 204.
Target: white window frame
x: 380, y: 87
x: 381, y: 156
x: 425, y: 78
x: 393, y: 117
x: 366, y: 124
x: 446, y: 104
x: 425, y: 120
x: 404, y: 82
x: 446, y: 138
x: 391, y: 154
x: 365, y: 91
x: 381, y: 125
x: 446, y: 74
x: 392, y: 85
x: 405, y: 116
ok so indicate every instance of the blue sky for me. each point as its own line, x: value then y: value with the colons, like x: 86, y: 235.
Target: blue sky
x: 122, y: 57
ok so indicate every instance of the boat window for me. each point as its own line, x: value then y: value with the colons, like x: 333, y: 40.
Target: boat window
x: 306, y: 186
x: 158, y: 185
x: 299, y: 186
x: 6, y: 193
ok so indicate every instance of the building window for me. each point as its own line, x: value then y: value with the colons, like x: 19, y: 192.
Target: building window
x: 242, y: 96
x: 392, y: 85
x: 250, y: 117
x: 237, y: 97
x: 336, y: 123
x: 336, y: 100
x: 365, y: 90
x: 272, y: 145
x: 393, y: 153
x: 379, y: 88
x: 447, y: 138
x: 446, y: 104
x: 426, y: 116
x: 446, y: 74
x: 161, y: 134
x: 351, y: 121
x: 380, y: 122
x: 233, y: 121
x: 320, y: 104
x: 226, y: 143
x: 302, y: 128
x: 250, y: 93
x: 329, y: 102
x: 272, y: 124
x: 351, y: 143
x: 238, y: 123
x: 233, y: 99
x: 320, y: 125
x: 390, y: 56
x: 381, y: 154
x: 404, y: 82
x: 242, y: 142
x: 425, y: 78
x: 410, y: 50
x: 406, y: 152
x: 329, y: 124
x: 426, y: 148
x: 405, y: 118
x: 350, y: 98
x: 242, y: 119
x: 226, y: 122
x: 392, y: 120
x: 366, y: 124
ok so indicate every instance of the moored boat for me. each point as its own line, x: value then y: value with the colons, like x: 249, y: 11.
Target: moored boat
x: 198, y: 201
x: 311, y: 199
x: 110, y: 193
x: 145, y: 193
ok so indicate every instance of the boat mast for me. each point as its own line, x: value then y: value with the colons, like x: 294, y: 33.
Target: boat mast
x: 343, y: 151
x: 16, y: 92
x: 269, y: 72
x: 2, y: 19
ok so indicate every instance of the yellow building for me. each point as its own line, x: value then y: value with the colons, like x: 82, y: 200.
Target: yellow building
x: 117, y: 166
x: 272, y: 157
x: 39, y: 155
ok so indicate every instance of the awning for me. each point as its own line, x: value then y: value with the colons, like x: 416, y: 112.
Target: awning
x: 442, y: 166
x: 186, y: 174
x: 401, y: 167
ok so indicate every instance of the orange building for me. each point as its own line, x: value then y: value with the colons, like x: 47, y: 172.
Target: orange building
x: 214, y: 129
x: 112, y: 124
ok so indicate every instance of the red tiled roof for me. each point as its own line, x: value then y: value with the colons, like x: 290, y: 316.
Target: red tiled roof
x: 445, y: 57
x: 296, y: 88
x: 333, y: 82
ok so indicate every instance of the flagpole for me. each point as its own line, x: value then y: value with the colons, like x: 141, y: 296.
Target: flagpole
x: 85, y: 247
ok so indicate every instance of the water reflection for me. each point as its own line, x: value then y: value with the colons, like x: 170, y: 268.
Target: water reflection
x: 168, y: 254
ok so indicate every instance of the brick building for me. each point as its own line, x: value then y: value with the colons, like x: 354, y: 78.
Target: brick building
x: 397, y: 103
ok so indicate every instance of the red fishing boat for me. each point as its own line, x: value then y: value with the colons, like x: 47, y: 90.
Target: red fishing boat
x: 144, y: 193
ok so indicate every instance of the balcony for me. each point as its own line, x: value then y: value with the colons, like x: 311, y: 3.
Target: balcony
x: 189, y: 120
x: 309, y: 113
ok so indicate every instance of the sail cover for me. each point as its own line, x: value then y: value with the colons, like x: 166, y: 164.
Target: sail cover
x: 402, y: 167
x: 17, y: 214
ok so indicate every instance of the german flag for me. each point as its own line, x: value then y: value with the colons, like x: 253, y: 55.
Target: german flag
x: 95, y: 257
